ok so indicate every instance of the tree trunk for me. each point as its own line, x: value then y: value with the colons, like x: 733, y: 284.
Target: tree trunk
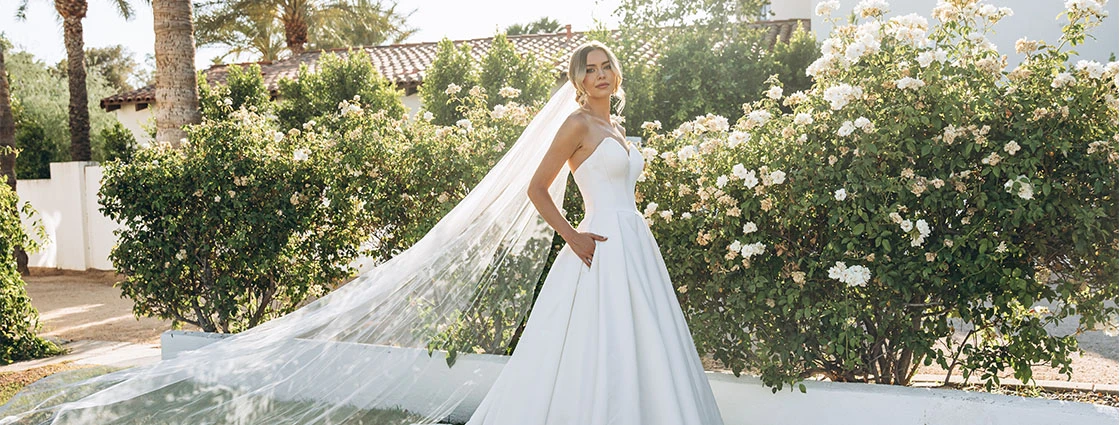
x: 176, y: 81
x: 7, y: 149
x: 72, y: 13
x: 294, y: 18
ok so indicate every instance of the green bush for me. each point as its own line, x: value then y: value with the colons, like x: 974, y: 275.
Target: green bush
x: 119, y: 144
x: 317, y: 94
x: 451, y: 74
x: 244, y: 223
x: 244, y: 87
x: 35, y: 151
x: 19, y: 321
x: 504, y: 68
x: 702, y: 70
x: 915, y: 192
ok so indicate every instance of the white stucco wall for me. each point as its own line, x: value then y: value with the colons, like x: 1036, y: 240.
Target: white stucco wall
x: 1034, y: 19
x: 790, y: 9
x: 135, y: 120
x: 78, y: 236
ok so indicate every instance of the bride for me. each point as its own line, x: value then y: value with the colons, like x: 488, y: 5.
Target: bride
x: 606, y: 342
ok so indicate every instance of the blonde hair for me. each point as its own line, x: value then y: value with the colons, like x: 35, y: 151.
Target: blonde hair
x: 577, y: 69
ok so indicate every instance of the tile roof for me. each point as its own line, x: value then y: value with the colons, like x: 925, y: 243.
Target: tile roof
x: 404, y: 64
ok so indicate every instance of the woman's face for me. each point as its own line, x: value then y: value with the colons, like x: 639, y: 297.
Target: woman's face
x: 600, y: 78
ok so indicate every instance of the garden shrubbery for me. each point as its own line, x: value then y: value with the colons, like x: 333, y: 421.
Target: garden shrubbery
x: 19, y: 321
x: 847, y: 230
x: 250, y: 218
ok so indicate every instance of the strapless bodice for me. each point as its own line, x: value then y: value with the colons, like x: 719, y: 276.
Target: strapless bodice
x: 607, y: 178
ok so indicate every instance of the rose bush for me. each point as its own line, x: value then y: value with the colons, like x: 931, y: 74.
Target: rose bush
x: 915, y: 193
x: 251, y: 218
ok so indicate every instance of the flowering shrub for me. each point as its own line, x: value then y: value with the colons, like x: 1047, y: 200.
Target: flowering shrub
x: 848, y: 230
x: 315, y: 94
x: 250, y: 218
x: 19, y: 321
x: 503, y: 75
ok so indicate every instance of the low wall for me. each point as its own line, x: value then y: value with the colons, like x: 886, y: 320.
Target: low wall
x: 742, y: 400
x: 79, y: 237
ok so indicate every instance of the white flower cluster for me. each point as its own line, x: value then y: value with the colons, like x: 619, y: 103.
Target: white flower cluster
x: 871, y: 8
x: 918, y: 231
x: 712, y: 122
x: 509, y: 92
x: 749, y: 228
x: 1062, y: 79
x: 1095, y: 70
x: 927, y: 57
x: 1023, y: 45
x: 1020, y: 186
x: 746, y: 250
x: 452, y: 89
x: 686, y: 153
x: 350, y: 107
x: 839, y: 96
x: 853, y: 276
x: 650, y: 209
x: 651, y: 126
x: 849, y: 127
x: 512, y: 111
x: 1011, y: 147
x: 1091, y: 7
x: 757, y: 118
x: 701, y: 125
x: 301, y: 154
x: 909, y: 29
x: 737, y: 137
x: 750, y: 179
x: 465, y: 124
x: 1097, y: 146
x: 909, y: 83
x: 803, y: 119
x: 825, y: 8
x: 866, y: 42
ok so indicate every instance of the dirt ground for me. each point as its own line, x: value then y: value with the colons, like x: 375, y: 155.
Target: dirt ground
x: 86, y: 306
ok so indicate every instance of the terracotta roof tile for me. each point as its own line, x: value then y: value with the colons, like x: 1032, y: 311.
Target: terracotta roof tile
x: 405, y: 64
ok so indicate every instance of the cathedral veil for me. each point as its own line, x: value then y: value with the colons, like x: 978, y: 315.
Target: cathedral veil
x: 373, y: 351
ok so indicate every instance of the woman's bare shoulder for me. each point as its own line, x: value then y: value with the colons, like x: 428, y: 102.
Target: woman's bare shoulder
x: 575, y: 127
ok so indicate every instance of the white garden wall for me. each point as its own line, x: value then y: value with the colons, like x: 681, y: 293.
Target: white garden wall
x: 78, y: 236
x: 742, y: 401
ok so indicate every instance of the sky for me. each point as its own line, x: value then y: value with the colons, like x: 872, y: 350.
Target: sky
x: 41, y: 33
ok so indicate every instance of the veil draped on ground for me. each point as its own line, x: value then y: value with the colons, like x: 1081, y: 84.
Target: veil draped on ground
x: 372, y: 351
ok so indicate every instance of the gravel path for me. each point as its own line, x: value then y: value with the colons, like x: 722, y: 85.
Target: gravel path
x: 86, y: 306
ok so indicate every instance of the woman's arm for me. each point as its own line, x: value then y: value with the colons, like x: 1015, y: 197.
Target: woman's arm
x: 566, y: 142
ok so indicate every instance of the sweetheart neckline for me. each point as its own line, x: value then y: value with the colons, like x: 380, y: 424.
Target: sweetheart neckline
x: 601, y: 142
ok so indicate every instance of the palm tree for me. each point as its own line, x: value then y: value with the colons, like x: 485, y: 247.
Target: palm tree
x: 176, y: 81
x: 257, y: 25
x: 543, y: 25
x: 72, y: 12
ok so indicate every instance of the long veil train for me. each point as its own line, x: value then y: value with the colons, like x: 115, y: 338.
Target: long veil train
x: 360, y: 354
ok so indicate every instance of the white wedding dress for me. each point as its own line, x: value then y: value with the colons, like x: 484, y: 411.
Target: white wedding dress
x: 605, y: 345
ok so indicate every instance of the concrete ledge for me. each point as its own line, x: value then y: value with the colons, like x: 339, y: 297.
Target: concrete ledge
x: 742, y: 400
x: 174, y: 342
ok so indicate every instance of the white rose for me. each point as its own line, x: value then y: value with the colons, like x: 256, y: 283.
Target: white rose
x: 840, y: 194
x: 775, y: 92
x: 749, y: 228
